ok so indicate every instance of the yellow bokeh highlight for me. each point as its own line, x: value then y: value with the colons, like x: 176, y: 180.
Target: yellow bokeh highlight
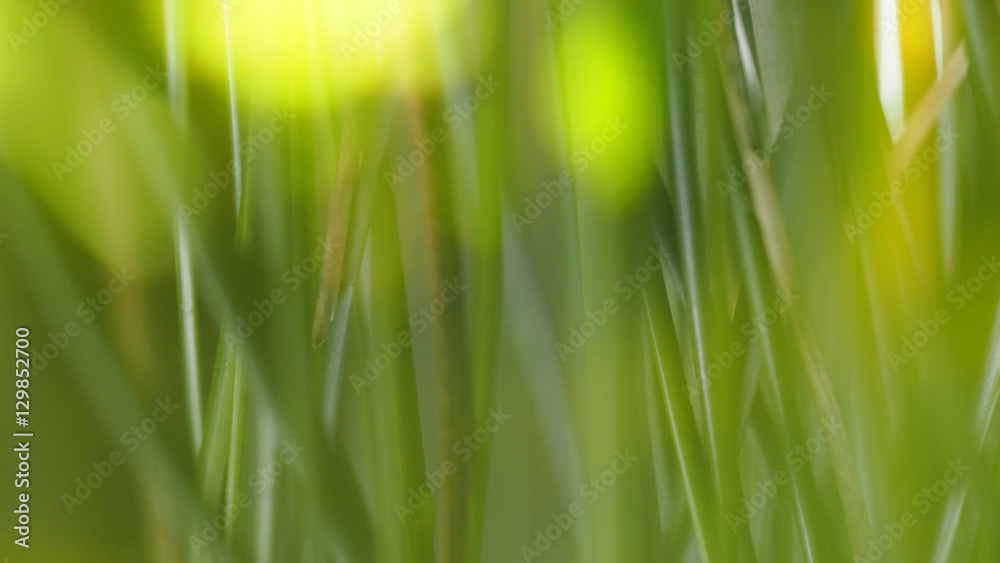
x: 297, y: 50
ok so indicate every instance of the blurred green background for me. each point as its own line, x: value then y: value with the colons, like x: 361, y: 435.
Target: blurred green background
x: 441, y: 280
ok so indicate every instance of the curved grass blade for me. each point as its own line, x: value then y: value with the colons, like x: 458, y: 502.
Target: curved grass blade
x: 683, y: 428
x: 778, y: 251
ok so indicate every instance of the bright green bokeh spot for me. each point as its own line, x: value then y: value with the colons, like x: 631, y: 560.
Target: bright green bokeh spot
x: 611, y: 106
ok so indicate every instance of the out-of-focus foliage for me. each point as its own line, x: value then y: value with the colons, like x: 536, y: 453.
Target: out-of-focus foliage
x: 456, y: 281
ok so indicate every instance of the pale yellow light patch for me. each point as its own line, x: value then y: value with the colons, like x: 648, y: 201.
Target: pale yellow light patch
x: 280, y: 50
